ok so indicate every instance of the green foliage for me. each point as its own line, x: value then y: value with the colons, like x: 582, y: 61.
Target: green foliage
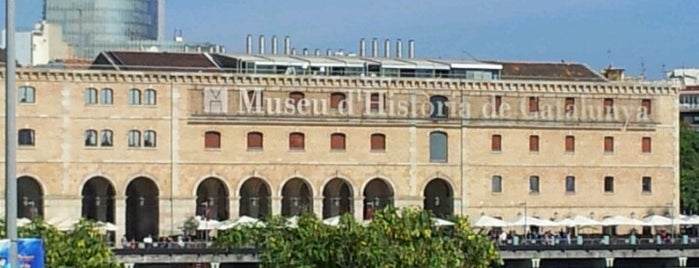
x: 689, y: 168
x: 82, y: 247
x: 190, y: 226
x: 405, y: 238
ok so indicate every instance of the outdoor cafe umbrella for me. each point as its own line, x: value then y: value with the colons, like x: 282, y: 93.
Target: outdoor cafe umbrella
x: 657, y: 220
x: 531, y: 221
x: 621, y: 220
x: 487, y: 221
x: 207, y: 224
x: 243, y: 221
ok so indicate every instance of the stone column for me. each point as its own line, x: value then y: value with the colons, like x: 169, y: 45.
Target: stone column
x: 120, y: 217
x: 536, y: 262
x: 682, y: 261
x: 609, y: 262
x: 318, y: 206
x: 215, y: 265
x: 276, y: 205
x: 234, y: 207
x: 359, y: 208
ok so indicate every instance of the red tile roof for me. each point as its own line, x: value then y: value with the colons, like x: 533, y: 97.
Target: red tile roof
x: 548, y: 71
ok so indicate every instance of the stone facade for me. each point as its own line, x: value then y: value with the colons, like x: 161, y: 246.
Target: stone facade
x: 189, y: 110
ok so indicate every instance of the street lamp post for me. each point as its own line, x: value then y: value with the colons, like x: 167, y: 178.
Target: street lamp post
x: 10, y: 133
x: 524, y: 204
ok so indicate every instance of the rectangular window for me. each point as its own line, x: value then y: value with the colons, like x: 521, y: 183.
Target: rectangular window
x: 26, y: 94
x: 212, y: 140
x: 570, y: 105
x: 570, y: 143
x: 608, y: 144
x: 647, y: 183
x: 608, y: 106
x: 496, y: 182
x: 496, y: 143
x: 645, y: 145
x: 378, y: 142
x: 646, y: 104
x: 497, y: 103
x: 297, y: 141
x: 337, y: 141
x: 609, y: 184
x: 533, y: 143
x: 255, y: 141
x: 570, y: 184
x: 533, y: 104
x: 534, y: 184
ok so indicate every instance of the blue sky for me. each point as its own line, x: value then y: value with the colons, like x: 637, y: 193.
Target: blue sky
x: 625, y: 32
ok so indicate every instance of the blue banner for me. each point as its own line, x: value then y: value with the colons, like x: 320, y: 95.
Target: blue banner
x: 31, y: 253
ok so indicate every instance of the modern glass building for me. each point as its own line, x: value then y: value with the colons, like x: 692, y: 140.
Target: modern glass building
x: 86, y: 23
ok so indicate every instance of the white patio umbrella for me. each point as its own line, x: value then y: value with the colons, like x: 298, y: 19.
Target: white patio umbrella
x: 567, y: 222
x: 107, y: 226
x: 63, y: 224
x: 442, y: 222
x: 292, y: 222
x: 687, y: 220
x: 531, y: 221
x: 207, y: 224
x: 656, y: 220
x: 585, y: 221
x: 243, y: 221
x: 332, y: 221
x: 487, y: 221
x: 621, y: 220
x: 23, y: 222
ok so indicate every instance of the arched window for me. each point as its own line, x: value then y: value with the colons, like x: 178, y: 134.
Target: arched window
x: 438, y: 105
x: 91, y: 96
x: 26, y: 94
x: 25, y: 137
x: 149, y: 138
x: 297, y: 141
x: 106, y: 138
x: 134, y: 96
x: 149, y: 97
x: 134, y: 138
x: 107, y: 96
x: 438, y: 146
x: 296, y: 96
x: 212, y: 140
x: 90, y: 138
x: 337, y: 141
x: 336, y: 99
x: 378, y: 142
x: 255, y: 140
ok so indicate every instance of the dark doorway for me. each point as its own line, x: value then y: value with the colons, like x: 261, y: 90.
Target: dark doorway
x: 98, y: 200
x: 142, y: 209
x: 297, y: 198
x: 439, y: 198
x: 255, y: 197
x: 377, y: 195
x: 212, y: 200
x: 337, y: 198
x: 30, y: 198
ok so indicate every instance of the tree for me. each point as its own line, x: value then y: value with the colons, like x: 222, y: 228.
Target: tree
x: 82, y: 247
x: 395, y: 238
x: 689, y: 168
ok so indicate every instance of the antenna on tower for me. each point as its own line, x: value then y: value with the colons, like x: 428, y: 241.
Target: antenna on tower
x: 643, y: 68
x: 664, y: 71
x: 469, y: 54
x: 609, y: 57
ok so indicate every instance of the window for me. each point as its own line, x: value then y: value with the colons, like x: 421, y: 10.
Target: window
x: 534, y: 184
x: 212, y: 140
x: 296, y: 96
x: 90, y: 138
x: 533, y: 104
x: 438, y: 106
x: 134, y: 138
x: 533, y: 143
x: 608, y: 106
x: 608, y: 144
x: 25, y: 137
x: 377, y: 99
x: 255, y: 140
x: 438, y: 146
x: 646, y: 104
x: 645, y: 145
x: 106, y: 138
x: 337, y: 141
x: 570, y: 184
x: 26, y: 94
x: 496, y: 184
x: 149, y: 97
x: 378, y: 142
x: 149, y: 138
x: 336, y: 99
x: 570, y: 143
x: 608, y: 184
x: 297, y: 141
x: 497, y: 102
x: 134, y: 96
x: 570, y: 105
x: 496, y: 143
x: 646, y: 184
x: 90, y: 96
x: 107, y: 96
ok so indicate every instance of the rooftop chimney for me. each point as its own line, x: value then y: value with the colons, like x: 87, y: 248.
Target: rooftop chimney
x: 375, y: 48
x: 274, y: 45
x: 411, y: 49
x: 387, y: 48
x: 329, y: 52
x: 362, y: 48
x: 399, y: 48
x: 261, y: 44
x: 305, y: 52
x: 293, y: 51
x: 317, y: 52
x: 287, y: 45
x: 248, y: 44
